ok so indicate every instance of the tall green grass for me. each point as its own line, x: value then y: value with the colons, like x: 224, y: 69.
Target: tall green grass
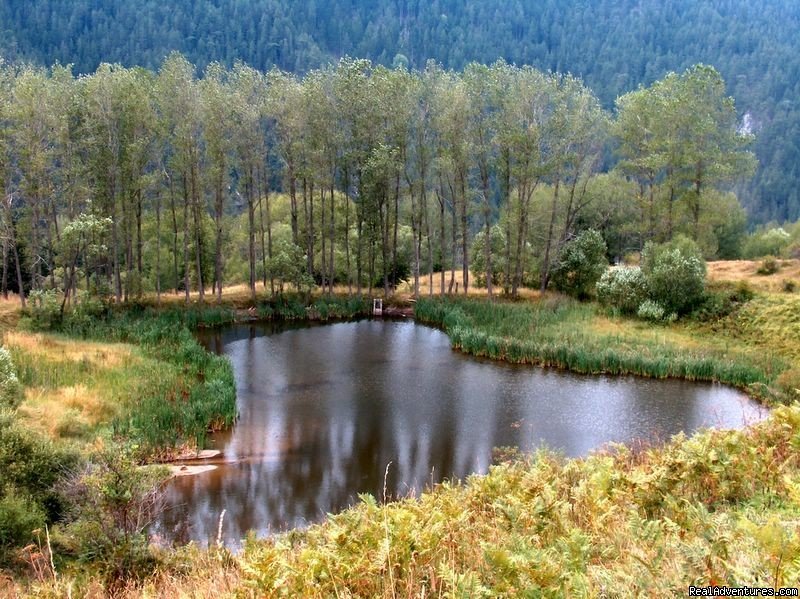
x: 554, y: 332
x: 201, y: 394
x: 296, y: 307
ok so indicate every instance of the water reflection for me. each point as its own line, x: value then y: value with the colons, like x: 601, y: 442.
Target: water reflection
x: 324, y: 409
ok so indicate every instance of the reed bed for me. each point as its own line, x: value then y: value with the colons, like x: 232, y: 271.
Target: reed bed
x: 558, y: 332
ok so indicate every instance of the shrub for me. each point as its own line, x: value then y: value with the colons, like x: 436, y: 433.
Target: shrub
x: 19, y: 517
x: 581, y: 263
x: 675, y: 273
x: 789, y: 286
x: 722, y: 300
x: 114, y: 500
x: 772, y: 242
x: 768, y: 266
x: 29, y: 461
x: 623, y: 287
x: 743, y: 292
x: 70, y: 425
x: 478, y: 256
x: 44, y: 308
x: 30, y: 467
x: 789, y: 382
x: 10, y: 388
x: 650, y: 310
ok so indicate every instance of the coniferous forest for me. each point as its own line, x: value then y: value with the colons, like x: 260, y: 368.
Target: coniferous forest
x: 614, y: 46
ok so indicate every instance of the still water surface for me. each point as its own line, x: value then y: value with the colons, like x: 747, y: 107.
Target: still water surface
x: 324, y: 409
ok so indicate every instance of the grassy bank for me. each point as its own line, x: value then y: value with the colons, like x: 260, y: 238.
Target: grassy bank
x: 137, y: 372
x: 562, y: 333
x: 169, y: 391
x: 720, y: 508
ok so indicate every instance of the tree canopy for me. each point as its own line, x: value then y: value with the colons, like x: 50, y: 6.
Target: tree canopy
x: 613, y: 45
x: 128, y: 180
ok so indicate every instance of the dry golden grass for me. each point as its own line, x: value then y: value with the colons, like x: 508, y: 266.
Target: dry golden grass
x: 62, y: 411
x: 70, y: 387
x: 406, y: 290
x: 239, y: 295
x: 746, y: 270
x: 58, y: 349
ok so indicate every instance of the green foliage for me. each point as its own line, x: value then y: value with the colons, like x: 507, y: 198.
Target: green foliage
x: 478, y: 255
x: 581, y: 263
x: 721, y: 301
x: 675, y: 273
x: 623, y: 287
x: 44, y: 309
x: 287, y: 265
x: 745, y: 45
x: 30, y: 463
x: 31, y: 467
x: 772, y: 241
x: 652, y: 311
x: 768, y: 266
x: 11, y: 393
x: 20, y: 515
x: 112, y: 502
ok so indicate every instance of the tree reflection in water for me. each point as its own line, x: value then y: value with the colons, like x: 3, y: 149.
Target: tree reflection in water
x: 324, y: 409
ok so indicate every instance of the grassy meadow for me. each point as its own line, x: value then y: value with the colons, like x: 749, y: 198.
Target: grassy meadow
x: 719, y: 508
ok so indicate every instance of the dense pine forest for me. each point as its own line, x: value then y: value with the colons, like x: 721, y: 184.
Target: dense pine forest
x: 614, y: 46
x: 128, y: 181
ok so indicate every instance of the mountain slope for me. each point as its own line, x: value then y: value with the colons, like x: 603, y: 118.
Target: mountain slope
x: 614, y: 45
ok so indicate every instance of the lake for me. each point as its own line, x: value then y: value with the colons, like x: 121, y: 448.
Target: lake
x: 325, y: 409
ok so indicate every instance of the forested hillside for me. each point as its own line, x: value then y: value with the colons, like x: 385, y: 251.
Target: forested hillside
x: 614, y: 45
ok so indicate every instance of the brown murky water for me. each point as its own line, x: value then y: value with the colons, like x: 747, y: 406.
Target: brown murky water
x: 324, y: 410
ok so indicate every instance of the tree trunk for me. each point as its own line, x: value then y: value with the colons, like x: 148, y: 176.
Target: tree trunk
x: 115, y: 239
x: 251, y: 231
x: 176, y: 278
x: 139, y: 241
x: 464, y: 234
x: 310, y: 226
x: 394, y: 234
x: 384, y: 216
x: 158, y: 247
x: 545, y: 276
x: 198, y: 232
x: 347, y: 231
x: 5, y: 267
x: 186, y: 201
x: 454, y: 249
x: 262, y: 229
x: 442, y: 238
x: 359, y: 231
x: 269, y: 231
x: 322, y: 233
x: 333, y: 233
x: 20, y: 285
x: 292, y: 198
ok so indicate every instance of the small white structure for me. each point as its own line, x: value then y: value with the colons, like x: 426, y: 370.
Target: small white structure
x: 377, y: 307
